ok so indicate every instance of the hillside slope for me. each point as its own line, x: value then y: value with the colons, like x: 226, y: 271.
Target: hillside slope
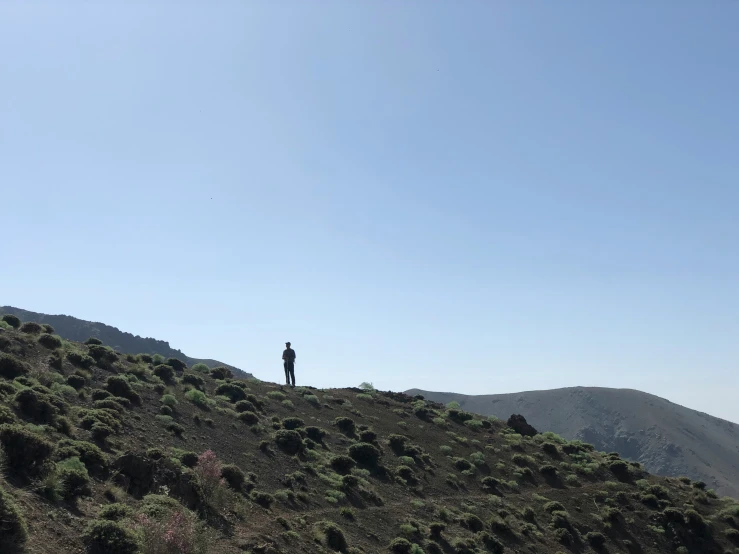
x: 105, y: 453
x: 666, y: 438
x: 72, y: 328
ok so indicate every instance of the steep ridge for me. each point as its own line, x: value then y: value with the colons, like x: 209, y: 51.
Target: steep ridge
x: 72, y: 328
x: 112, y: 453
x: 668, y: 439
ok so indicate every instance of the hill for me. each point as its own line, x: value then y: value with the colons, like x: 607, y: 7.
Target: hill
x: 79, y: 330
x: 111, y: 453
x: 668, y: 439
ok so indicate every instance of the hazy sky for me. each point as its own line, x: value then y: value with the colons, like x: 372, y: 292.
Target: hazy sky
x: 476, y: 196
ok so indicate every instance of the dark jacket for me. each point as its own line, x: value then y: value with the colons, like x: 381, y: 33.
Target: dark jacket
x: 288, y: 355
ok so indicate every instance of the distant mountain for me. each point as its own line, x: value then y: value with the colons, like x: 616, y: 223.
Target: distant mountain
x: 71, y: 328
x: 666, y: 438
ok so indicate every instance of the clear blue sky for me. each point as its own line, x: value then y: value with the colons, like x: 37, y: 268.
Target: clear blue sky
x: 476, y: 196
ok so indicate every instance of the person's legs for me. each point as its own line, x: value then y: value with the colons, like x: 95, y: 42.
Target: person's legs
x: 291, y: 367
x: 286, y: 365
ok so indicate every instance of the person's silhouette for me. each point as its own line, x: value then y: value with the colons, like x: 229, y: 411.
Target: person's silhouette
x: 288, y: 360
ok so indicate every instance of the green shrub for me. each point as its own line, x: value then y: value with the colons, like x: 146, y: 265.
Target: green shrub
x: 232, y: 391
x: 194, y: 380
x: 250, y: 418
x: 345, y: 424
x: 364, y: 453
x: 115, y: 403
x: 169, y: 400
x: 51, y: 342
x: 13, y: 531
x: 221, y: 373
x: 164, y: 372
x: 315, y: 434
x: 11, y: 367
x: 564, y: 536
x: 200, y: 368
x: 342, y: 464
x: 595, y: 539
x: 461, y: 464
x: 6, y: 415
x: 548, y: 470
x: 92, y: 341
x: 292, y: 423
x: 176, y: 364
x: 100, y: 431
x: 115, y: 512
x: 245, y: 406
x: 102, y: 355
x: 73, y: 479
x: 31, y: 327
x: 732, y: 535
x: 38, y: 405
x: 199, y: 398
x: 80, y: 360
x: 109, y: 537
x: 233, y: 476
x: 100, y: 394
x: 189, y: 459
x: 26, y: 453
x: 12, y: 320
x: 119, y: 386
x: 262, y: 498
x: 89, y: 454
x: 367, y: 436
x: 288, y: 440
x: 276, y: 395
x: 554, y: 506
x: 76, y: 381
x: 490, y: 483
x: 333, y: 536
x: 472, y: 522
x: 400, y: 546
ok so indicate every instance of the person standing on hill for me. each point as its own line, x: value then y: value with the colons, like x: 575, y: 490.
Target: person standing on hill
x: 288, y: 360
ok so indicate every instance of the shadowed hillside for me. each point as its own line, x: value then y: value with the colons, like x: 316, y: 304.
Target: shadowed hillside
x: 107, y: 453
x: 71, y: 328
x: 667, y: 438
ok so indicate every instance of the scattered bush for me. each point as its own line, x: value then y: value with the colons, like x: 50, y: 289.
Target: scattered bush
x: 114, y: 512
x: 169, y: 400
x: 102, y: 355
x: 13, y: 532
x: 564, y: 536
x: 345, y: 424
x: 200, y: 368
x: 250, y: 418
x: 342, y: 464
x: 76, y: 381
x: 176, y: 364
x: 400, y: 546
x: 367, y: 436
x: 119, y: 386
x: 199, y: 398
x: 38, y: 405
x: 461, y: 464
x: 109, y: 537
x: 31, y: 327
x: 364, y: 453
x: 92, y: 341
x: 11, y: 320
x: 490, y: 483
x: 595, y: 539
x: 292, y: 423
x: 221, y: 373
x: 164, y: 372
x: 73, y: 479
x: 288, y: 440
x: 88, y: 453
x: 262, y: 498
x: 333, y: 536
x: 11, y: 367
x: 548, y: 470
x: 100, y: 432
x: 233, y: 476
x: 115, y: 403
x: 232, y: 391
x: 80, y: 360
x: 194, y: 380
x: 51, y: 342
x: 244, y: 406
